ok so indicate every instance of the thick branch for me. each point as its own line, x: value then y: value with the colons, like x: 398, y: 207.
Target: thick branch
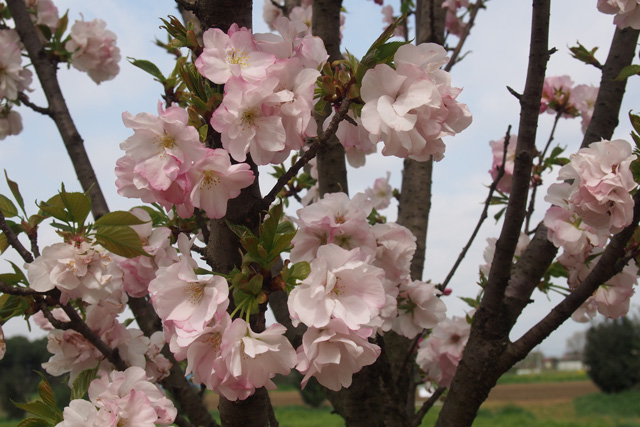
x: 46, y: 72
x: 607, y: 108
x: 6, y: 288
x: 525, y: 152
x: 611, y: 262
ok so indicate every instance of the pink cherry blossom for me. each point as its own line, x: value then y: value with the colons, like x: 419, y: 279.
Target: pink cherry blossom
x: 566, y: 230
x: 216, y: 181
x: 46, y: 13
x: 204, y: 353
x: 601, y: 182
x: 94, y: 50
x: 381, y: 192
x: 13, y: 78
x: 419, y: 308
x: 584, y: 98
x: 10, y: 123
x: 178, y: 294
x: 556, y: 96
x: 132, y: 399
x: 334, y: 353
x: 627, y: 12
x: 497, y: 149
x: 395, y: 248
x: 439, y: 355
x: 252, y: 359
x: 341, y: 285
x: 388, y: 18
x: 233, y: 54
x: 412, y: 107
x: 334, y: 219
x: 248, y: 123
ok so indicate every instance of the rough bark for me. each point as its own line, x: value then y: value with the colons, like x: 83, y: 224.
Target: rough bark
x: 332, y: 168
x: 621, y: 53
x: 46, y: 72
x: 490, y: 329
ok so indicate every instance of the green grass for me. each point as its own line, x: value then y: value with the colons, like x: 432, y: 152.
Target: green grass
x: 547, y: 376
x: 625, y: 404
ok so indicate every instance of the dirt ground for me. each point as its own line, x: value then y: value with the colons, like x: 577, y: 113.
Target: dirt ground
x: 539, y: 393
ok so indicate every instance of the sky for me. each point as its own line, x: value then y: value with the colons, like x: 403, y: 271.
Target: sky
x: 497, y: 52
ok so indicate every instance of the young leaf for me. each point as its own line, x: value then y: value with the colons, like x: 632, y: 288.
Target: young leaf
x: 4, y: 243
x: 34, y: 422
x: 118, y: 218
x: 37, y: 408
x: 77, y: 204
x: 628, y: 71
x: 55, y: 208
x: 16, y: 192
x: 46, y: 393
x: 7, y: 207
x: 148, y: 67
x: 81, y: 383
x: 121, y: 241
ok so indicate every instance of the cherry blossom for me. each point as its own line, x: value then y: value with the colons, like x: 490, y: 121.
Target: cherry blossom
x: 556, y: 96
x: 234, y: 54
x: 94, y: 50
x: 13, y: 78
x: 419, y: 308
x: 627, y: 12
x: 10, y: 123
x: 252, y: 359
x: 46, y: 13
x: 601, y: 181
x: 412, y: 107
x: 584, y: 98
x: 381, y: 192
x: 497, y: 149
x: 439, y: 355
x: 216, y: 181
x: 334, y: 353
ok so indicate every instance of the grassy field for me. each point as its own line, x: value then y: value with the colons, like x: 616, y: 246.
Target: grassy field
x: 546, y: 376
x: 592, y: 410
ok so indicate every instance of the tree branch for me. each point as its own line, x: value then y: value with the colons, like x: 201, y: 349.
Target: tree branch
x: 16, y: 290
x: 483, y: 215
x: 428, y: 404
x: 22, y: 97
x: 46, y: 72
x: 611, y: 262
x: 465, y: 33
x: 13, y: 241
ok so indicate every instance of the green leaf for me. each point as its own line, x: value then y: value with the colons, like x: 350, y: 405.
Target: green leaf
x: 55, y: 207
x: 77, y: 204
x: 635, y: 121
x: 4, y: 243
x: 37, y: 408
x: 62, y: 26
x: 470, y: 301
x: 118, y: 218
x: 300, y: 270
x: 34, y: 422
x: 46, y: 393
x: 121, y: 241
x: 148, y: 67
x: 385, y: 53
x: 239, y: 230
x: 628, y: 71
x: 82, y: 382
x: 7, y: 207
x: 15, y: 190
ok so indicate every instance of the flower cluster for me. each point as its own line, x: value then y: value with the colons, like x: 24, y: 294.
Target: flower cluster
x: 439, y: 355
x: 94, y: 50
x: 165, y: 162
x: 627, y: 12
x: 13, y: 80
x: 121, y: 399
x: 592, y: 203
x: 497, y: 149
x: 453, y: 22
x: 560, y: 96
x: 44, y: 13
x: 269, y: 80
x: 410, y: 108
x: 359, y: 285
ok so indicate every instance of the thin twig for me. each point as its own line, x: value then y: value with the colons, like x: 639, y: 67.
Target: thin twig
x: 427, y: 405
x: 15, y: 290
x: 13, y: 241
x: 483, y: 215
x: 536, y: 184
x: 273, y: 421
x: 463, y: 37
x: 22, y: 97
x: 33, y: 238
x: 307, y: 156
x: 409, y: 356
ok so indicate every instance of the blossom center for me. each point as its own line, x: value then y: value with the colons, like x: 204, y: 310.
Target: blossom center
x: 166, y: 141
x: 214, y: 341
x: 238, y: 57
x: 209, y: 180
x: 194, y: 292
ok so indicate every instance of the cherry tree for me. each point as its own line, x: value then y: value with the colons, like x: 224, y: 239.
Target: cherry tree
x: 205, y: 255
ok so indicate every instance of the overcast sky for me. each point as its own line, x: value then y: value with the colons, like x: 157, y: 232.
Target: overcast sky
x: 497, y: 57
